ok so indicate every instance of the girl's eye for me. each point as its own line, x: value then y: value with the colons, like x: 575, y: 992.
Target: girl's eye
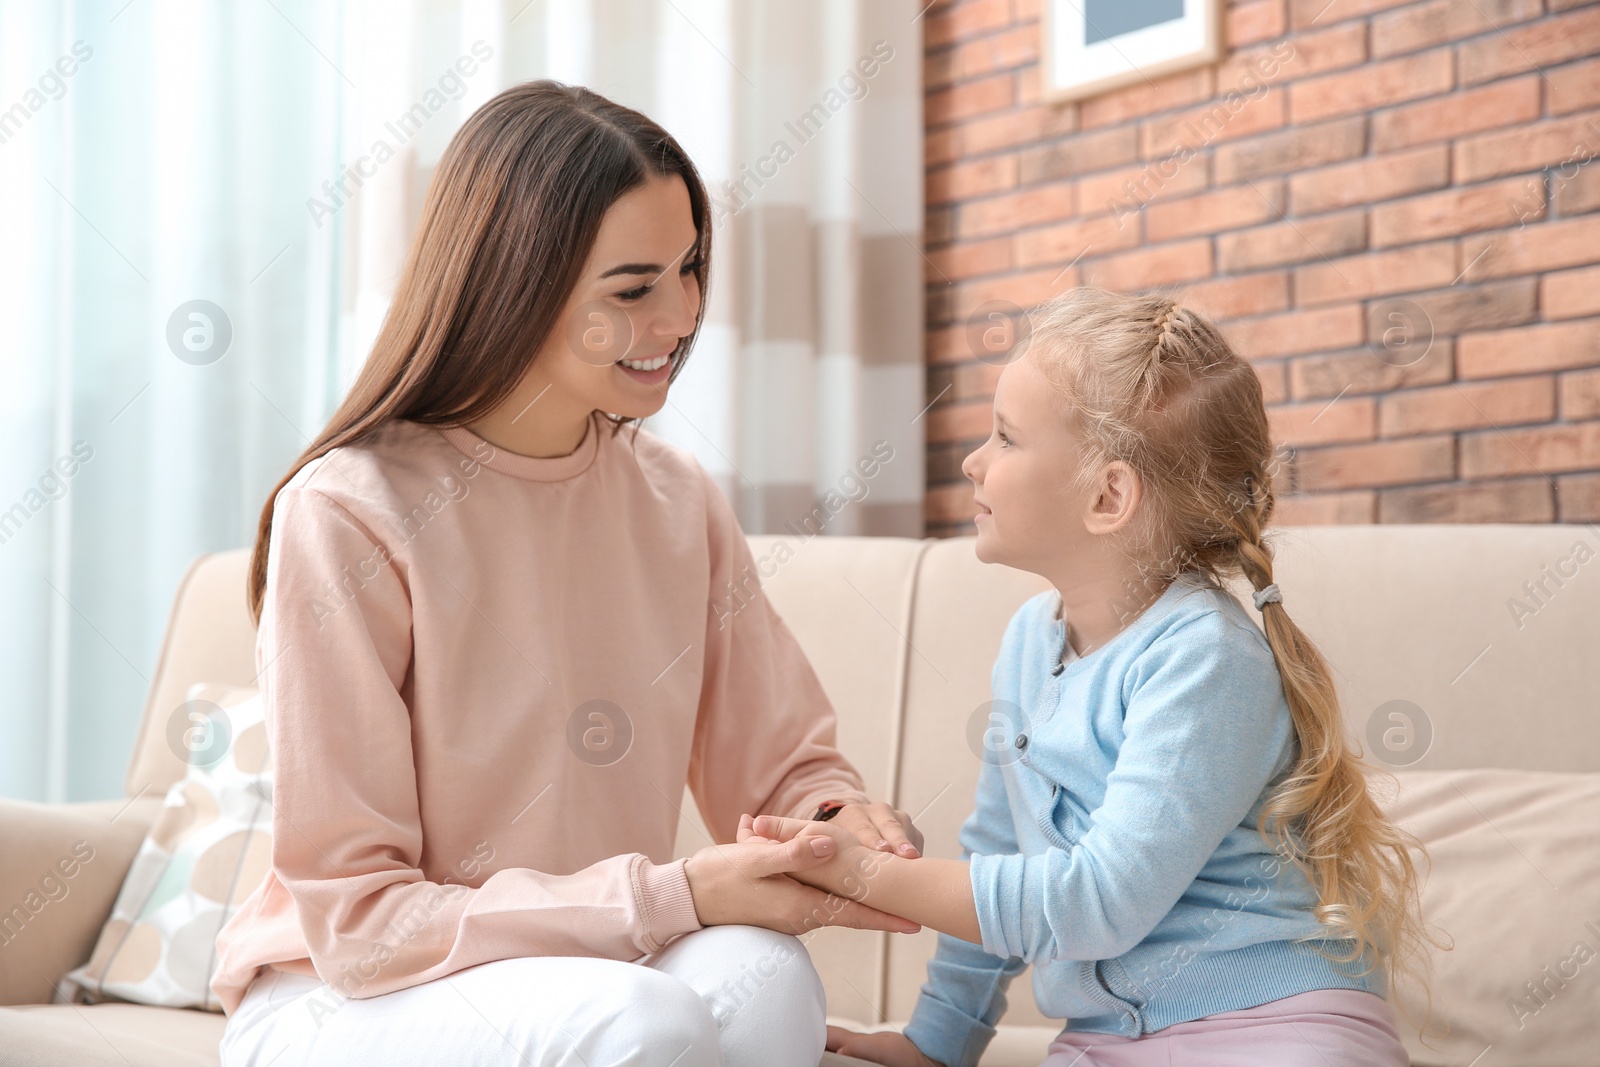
x: 643, y: 291
x: 1004, y: 440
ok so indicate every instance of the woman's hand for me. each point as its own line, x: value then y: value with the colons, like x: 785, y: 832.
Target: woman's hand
x: 886, y: 1047
x: 845, y: 871
x: 754, y: 883
x: 881, y: 827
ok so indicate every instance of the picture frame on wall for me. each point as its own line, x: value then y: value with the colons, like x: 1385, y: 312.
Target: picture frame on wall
x: 1089, y: 46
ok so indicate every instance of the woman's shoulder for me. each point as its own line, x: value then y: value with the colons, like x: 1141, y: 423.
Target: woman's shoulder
x: 396, y: 461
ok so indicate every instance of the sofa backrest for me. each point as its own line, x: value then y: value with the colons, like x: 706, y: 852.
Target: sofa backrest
x: 1488, y: 633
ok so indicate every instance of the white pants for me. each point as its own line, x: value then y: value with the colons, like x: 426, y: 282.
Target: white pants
x: 722, y: 996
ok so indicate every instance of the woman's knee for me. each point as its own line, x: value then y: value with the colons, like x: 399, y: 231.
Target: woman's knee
x: 766, y: 968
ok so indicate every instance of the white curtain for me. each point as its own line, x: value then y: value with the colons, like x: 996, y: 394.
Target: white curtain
x: 201, y: 237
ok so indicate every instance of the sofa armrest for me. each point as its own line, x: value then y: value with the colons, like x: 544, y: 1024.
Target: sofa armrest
x: 61, y: 871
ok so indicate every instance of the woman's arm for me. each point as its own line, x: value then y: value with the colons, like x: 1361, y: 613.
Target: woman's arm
x: 765, y: 738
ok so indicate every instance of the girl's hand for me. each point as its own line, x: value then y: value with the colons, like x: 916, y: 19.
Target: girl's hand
x: 753, y: 883
x: 878, y: 826
x: 887, y: 1047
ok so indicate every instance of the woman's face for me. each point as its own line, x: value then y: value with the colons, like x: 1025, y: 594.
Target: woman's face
x: 636, y: 299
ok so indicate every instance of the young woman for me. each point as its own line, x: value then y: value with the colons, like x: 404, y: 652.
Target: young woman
x: 494, y: 648
x: 1179, y: 838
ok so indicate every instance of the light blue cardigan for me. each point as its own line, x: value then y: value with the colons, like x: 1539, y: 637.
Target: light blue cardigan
x: 1113, y: 844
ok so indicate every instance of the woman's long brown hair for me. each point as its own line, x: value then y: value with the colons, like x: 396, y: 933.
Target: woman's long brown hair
x: 510, y: 218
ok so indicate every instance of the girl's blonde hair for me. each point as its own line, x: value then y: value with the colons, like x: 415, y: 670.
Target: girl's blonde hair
x: 1143, y: 380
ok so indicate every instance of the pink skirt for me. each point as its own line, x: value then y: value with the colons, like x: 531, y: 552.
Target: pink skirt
x: 1320, y: 1028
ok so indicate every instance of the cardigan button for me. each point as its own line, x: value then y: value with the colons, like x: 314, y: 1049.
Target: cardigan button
x: 1022, y: 740
x: 1058, y: 668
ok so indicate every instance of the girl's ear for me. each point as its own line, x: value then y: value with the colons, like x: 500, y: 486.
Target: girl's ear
x: 1114, y: 499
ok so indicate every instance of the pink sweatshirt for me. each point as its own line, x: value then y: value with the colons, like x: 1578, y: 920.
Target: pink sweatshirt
x: 487, y: 678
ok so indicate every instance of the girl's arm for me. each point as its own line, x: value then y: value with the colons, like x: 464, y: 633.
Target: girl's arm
x: 933, y: 892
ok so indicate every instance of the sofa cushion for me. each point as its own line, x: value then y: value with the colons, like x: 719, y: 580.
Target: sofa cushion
x: 1515, y: 882
x: 108, y: 1035
x: 207, y: 850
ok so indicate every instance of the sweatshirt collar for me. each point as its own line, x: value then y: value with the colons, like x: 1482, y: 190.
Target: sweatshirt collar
x: 529, y: 468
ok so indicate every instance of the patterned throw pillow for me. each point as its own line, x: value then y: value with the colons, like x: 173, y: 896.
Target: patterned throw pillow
x: 206, y: 851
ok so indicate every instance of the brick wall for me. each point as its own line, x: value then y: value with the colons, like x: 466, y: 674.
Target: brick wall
x: 1383, y: 172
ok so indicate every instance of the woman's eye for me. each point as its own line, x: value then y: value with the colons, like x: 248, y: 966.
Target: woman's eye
x: 644, y: 290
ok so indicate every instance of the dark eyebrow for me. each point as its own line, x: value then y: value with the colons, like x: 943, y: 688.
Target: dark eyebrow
x: 635, y: 268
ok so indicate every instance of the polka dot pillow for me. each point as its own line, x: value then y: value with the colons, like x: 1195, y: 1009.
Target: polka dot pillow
x: 206, y: 851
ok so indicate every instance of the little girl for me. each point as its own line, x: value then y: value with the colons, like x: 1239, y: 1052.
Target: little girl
x: 1120, y: 841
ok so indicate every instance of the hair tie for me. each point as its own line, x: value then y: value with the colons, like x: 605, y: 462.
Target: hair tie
x: 1269, y: 595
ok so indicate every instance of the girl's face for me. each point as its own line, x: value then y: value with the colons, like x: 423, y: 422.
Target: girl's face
x: 1029, y: 512
x: 636, y: 299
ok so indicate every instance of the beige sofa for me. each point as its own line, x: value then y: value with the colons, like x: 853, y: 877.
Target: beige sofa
x: 903, y: 634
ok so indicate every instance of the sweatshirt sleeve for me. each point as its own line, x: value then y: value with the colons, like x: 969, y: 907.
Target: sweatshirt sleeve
x: 765, y: 732
x: 336, y: 642
x: 964, y: 998
x: 1204, y: 731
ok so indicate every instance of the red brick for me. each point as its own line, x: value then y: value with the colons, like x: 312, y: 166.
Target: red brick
x: 1324, y: 509
x: 968, y: 99
x: 1454, y: 211
x: 1527, y: 148
x: 1533, y: 450
x: 1255, y: 20
x: 1295, y: 332
x: 1504, y: 103
x: 1027, y: 207
x: 1238, y: 296
x: 1220, y: 209
x: 1303, y: 13
x: 970, y: 179
x: 1580, y: 395
x: 1147, y: 97
x: 1082, y: 153
x: 1458, y: 309
x: 1553, y: 346
x: 1378, y: 463
x: 1541, y: 44
x: 1531, y: 250
x: 945, y: 23
x: 941, y: 146
x: 1574, y: 87
x: 1422, y: 25
x: 949, y: 503
x: 1570, y: 294
x: 1468, y: 407
x: 1134, y: 188
x: 1301, y: 56
x: 1292, y: 242
x: 1376, y: 274
x: 1289, y: 150
x: 1227, y: 118
x: 1324, y: 422
x: 969, y: 260
x: 1274, y: 382
x: 1369, y: 180
x: 1578, y: 497
x: 1363, y: 370
x: 1013, y: 48
x: 1574, y: 186
x: 1146, y: 268
x: 1009, y: 129
x: 1372, y: 85
x: 1519, y: 500
x: 959, y: 422
x: 1025, y: 290
x: 1068, y: 241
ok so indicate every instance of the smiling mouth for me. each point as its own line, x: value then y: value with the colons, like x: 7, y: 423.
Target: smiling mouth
x: 645, y: 366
